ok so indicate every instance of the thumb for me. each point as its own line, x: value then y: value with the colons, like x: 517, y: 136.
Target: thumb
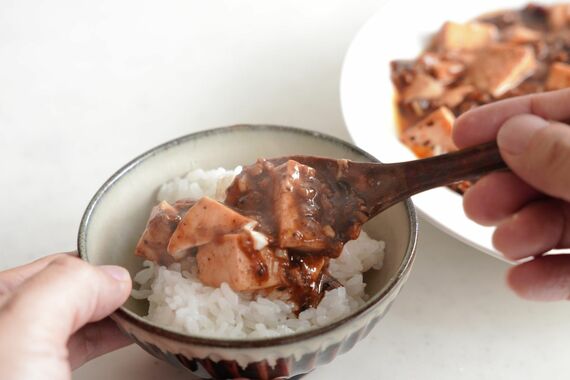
x: 538, y: 151
x: 66, y: 295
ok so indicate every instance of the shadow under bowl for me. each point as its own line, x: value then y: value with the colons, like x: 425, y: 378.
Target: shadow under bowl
x: 117, y: 215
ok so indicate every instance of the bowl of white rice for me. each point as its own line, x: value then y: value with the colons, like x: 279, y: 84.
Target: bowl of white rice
x: 217, y: 332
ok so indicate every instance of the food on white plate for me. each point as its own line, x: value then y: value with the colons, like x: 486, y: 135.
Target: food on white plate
x: 496, y: 56
x: 254, y: 252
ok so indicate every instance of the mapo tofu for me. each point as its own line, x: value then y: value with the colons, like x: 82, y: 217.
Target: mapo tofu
x: 277, y: 229
x: 495, y: 56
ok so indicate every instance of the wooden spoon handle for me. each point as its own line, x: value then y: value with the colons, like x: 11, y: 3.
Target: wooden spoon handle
x: 380, y: 186
x: 421, y: 175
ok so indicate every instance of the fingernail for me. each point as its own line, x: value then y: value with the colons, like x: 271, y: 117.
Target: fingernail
x: 118, y: 273
x: 515, y: 134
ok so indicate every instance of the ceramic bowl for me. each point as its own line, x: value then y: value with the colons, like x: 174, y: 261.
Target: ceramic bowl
x: 117, y: 214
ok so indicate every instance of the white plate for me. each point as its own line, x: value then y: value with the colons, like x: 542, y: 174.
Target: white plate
x: 400, y: 30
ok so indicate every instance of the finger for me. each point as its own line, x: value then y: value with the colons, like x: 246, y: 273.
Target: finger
x: 537, y: 228
x: 483, y: 123
x: 497, y: 196
x: 66, y: 295
x: 12, y: 278
x: 93, y: 340
x: 546, y: 278
x: 538, y: 151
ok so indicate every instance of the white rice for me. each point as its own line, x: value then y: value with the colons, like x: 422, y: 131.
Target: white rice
x: 178, y: 300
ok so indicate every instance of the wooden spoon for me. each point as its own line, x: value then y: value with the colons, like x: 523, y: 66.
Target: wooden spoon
x: 383, y: 185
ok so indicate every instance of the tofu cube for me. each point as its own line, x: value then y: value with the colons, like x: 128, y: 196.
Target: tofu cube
x: 468, y: 36
x: 558, y: 76
x: 161, y: 223
x: 432, y: 135
x: 501, y: 67
x: 232, y: 259
x: 423, y: 86
x: 454, y: 96
x: 203, y: 222
x: 294, y: 208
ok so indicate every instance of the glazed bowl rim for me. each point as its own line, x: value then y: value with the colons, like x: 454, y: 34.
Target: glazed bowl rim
x: 131, y: 317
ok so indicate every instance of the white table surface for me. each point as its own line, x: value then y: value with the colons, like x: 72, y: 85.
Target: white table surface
x: 87, y: 85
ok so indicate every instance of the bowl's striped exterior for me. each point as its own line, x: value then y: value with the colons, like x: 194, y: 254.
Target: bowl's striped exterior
x: 275, y: 358
x: 284, y: 368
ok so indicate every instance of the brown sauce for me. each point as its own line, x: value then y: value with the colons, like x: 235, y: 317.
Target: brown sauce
x: 306, y: 212
x: 323, y: 207
x: 304, y: 274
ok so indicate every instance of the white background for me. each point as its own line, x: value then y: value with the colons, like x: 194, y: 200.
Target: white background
x: 86, y: 86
